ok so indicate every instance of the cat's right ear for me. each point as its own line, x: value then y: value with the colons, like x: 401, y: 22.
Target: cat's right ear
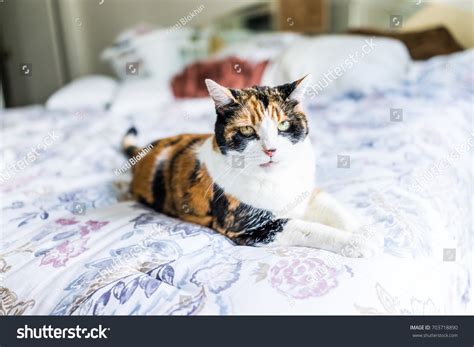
x: 221, y: 95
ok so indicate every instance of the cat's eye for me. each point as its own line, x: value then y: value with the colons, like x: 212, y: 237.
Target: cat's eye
x: 247, y: 130
x: 284, y: 126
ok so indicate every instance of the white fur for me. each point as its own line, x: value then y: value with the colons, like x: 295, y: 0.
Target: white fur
x: 164, y: 155
x: 277, y: 189
x: 329, y: 225
x: 129, y: 140
x: 311, y: 234
x: 324, y: 208
x: 268, y: 132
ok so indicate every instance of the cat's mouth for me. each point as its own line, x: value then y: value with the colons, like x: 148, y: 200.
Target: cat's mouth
x: 268, y: 164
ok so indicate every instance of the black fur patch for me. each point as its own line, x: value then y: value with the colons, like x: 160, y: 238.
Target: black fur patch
x: 224, y: 117
x: 131, y: 151
x: 297, y: 132
x: 169, y: 144
x: 298, y: 123
x: 175, y: 158
x: 239, y: 142
x: 159, y: 190
x: 263, y: 97
x: 263, y: 234
x: 132, y: 131
x: 257, y: 225
x: 254, y: 225
x: 287, y: 89
x: 219, y: 205
x: 194, y: 174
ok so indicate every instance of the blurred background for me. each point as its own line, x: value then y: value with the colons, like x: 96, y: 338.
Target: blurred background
x: 45, y: 44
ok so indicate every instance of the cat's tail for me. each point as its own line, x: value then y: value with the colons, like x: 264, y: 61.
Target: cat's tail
x: 129, y: 141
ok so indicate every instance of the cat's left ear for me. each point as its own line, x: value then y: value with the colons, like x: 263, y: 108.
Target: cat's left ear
x: 296, y: 90
x: 221, y: 95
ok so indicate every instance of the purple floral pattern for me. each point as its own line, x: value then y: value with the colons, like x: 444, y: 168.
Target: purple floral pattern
x: 66, y: 250
x: 302, y: 278
x: 70, y: 246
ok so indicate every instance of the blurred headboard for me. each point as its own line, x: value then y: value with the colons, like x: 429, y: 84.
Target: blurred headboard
x: 89, y: 26
x: 456, y: 15
x: 422, y: 44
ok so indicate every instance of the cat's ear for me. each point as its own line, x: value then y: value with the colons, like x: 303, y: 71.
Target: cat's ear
x: 295, y: 90
x: 221, y: 95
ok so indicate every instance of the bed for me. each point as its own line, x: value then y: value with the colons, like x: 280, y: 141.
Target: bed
x: 74, y: 243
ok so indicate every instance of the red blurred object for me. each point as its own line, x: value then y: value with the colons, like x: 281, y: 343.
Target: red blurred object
x: 230, y: 72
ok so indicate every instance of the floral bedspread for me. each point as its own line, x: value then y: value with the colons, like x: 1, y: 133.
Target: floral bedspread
x: 74, y: 243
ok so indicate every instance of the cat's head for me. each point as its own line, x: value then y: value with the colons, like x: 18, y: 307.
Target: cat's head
x: 262, y: 126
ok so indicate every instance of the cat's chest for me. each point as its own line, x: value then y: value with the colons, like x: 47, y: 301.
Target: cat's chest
x: 284, y: 190
x: 284, y: 198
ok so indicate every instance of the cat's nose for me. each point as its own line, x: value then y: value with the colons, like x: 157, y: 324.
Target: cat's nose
x: 270, y: 152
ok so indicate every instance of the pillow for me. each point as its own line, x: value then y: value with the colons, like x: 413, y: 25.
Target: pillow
x: 341, y: 63
x: 145, y: 52
x: 231, y: 72
x: 422, y: 44
x: 91, y: 92
x: 139, y: 95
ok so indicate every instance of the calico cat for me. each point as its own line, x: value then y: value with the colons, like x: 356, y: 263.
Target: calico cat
x: 252, y: 180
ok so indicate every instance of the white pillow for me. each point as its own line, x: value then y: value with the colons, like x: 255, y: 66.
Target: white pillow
x: 90, y: 93
x: 139, y: 95
x: 158, y: 53
x: 341, y: 63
